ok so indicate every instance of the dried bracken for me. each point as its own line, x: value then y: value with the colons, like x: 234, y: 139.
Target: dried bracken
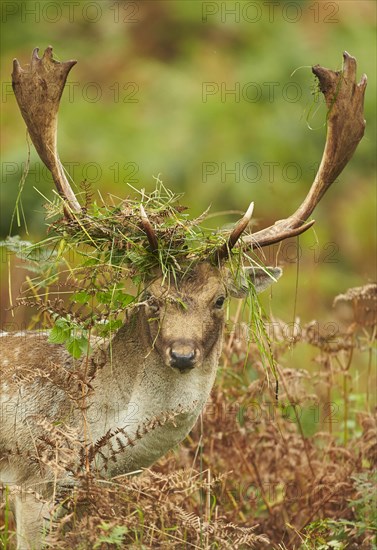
x: 363, y: 302
x: 254, y: 476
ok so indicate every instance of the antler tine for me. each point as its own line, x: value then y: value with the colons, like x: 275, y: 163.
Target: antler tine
x: 149, y: 231
x: 345, y: 128
x: 223, y: 252
x: 38, y: 88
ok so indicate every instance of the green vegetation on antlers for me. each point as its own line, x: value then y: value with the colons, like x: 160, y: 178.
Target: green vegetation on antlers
x: 101, y: 260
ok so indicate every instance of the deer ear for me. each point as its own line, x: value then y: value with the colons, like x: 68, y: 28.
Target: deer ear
x: 260, y: 277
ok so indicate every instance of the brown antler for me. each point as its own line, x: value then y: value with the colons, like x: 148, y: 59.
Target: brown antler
x: 345, y: 128
x: 223, y: 252
x: 38, y: 88
x: 148, y: 229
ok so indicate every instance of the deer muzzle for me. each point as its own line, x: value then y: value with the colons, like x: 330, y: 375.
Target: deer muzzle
x: 183, y: 355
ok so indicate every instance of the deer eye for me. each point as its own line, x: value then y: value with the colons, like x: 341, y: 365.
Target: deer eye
x: 219, y: 302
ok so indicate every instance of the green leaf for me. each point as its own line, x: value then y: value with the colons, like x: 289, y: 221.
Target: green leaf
x: 77, y: 346
x: 116, y: 298
x: 58, y: 335
x: 62, y: 323
x: 126, y: 299
x: 74, y: 348
x: 104, y: 297
x: 81, y: 297
x: 110, y: 326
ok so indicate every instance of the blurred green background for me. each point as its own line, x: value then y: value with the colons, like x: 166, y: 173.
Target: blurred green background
x: 203, y: 94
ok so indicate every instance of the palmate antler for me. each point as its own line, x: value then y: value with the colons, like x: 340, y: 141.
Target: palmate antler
x: 345, y: 128
x: 39, y: 86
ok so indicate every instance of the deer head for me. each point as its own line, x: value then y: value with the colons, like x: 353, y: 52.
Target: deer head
x: 185, y: 319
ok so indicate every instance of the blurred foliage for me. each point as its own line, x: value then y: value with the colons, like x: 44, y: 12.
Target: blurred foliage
x: 152, y: 94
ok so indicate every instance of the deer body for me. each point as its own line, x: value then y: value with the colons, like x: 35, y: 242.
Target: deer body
x: 130, y: 389
x: 150, y: 385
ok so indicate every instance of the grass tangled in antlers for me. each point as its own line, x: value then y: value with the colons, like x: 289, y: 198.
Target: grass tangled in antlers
x: 114, y: 236
x: 100, y: 260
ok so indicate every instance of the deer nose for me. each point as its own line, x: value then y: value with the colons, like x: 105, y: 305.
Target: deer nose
x: 182, y: 356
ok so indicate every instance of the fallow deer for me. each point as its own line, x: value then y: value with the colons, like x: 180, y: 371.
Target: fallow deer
x: 162, y: 362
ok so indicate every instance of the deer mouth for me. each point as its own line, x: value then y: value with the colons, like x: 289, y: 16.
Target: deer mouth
x: 183, y: 370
